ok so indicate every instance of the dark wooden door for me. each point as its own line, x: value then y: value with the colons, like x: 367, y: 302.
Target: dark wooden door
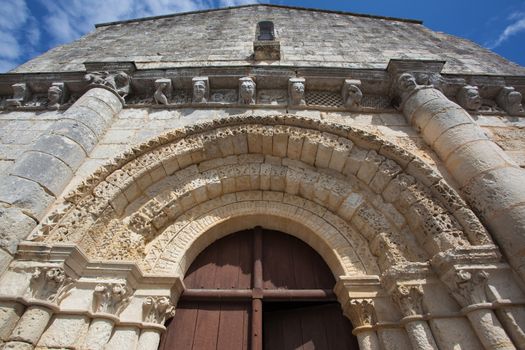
x: 258, y: 289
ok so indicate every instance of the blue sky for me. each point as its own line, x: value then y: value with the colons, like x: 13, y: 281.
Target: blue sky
x: 31, y: 27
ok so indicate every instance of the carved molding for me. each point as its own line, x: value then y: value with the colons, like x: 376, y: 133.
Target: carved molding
x: 111, y: 298
x: 157, y: 309
x: 50, y: 283
x: 119, y: 82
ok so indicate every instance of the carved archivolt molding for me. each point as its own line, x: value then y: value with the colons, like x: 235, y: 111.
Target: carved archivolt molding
x: 391, y: 197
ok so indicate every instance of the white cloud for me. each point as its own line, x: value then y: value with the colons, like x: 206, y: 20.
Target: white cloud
x: 517, y: 26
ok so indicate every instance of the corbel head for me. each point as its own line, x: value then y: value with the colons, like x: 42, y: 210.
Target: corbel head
x: 246, y: 91
x: 296, y: 88
x: 510, y: 100
x: 352, y: 94
x: 201, y: 90
x: 468, y: 97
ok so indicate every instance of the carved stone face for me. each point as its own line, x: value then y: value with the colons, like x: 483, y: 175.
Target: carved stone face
x: 354, y: 96
x: 514, y: 98
x: 469, y: 98
x: 406, y: 82
x: 199, y: 90
x: 53, y: 95
x: 297, y: 91
x: 247, y: 90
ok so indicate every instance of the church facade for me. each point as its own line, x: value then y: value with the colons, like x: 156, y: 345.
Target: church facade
x: 241, y: 178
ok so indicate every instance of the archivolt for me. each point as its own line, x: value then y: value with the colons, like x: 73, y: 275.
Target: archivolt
x: 379, y: 190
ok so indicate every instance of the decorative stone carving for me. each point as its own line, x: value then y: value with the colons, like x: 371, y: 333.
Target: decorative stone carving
x: 406, y: 82
x: 157, y: 309
x: 361, y: 312
x: 272, y: 97
x: 246, y: 91
x: 116, y: 81
x: 111, y: 298
x: 21, y: 94
x: 224, y: 96
x: 296, y: 87
x: 470, y: 287
x: 468, y: 97
x: 510, y: 100
x: 50, y: 284
x: 409, y: 299
x: 431, y: 79
x: 352, y: 94
x: 163, y: 90
x: 55, y: 96
x: 201, y: 89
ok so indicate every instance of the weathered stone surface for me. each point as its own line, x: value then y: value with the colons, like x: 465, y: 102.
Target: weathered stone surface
x: 48, y: 171
x: 10, y: 313
x: 31, y: 325
x: 76, y: 131
x: 63, y: 148
x: 14, y: 227
x: 24, y: 194
x: 65, y: 332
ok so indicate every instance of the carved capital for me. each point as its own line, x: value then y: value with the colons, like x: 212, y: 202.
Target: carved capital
x: 157, y: 309
x: 403, y: 86
x: 409, y: 298
x: 352, y: 94
x: 163, y: 90
x: 510, y: 100
x: 468, y: 97
x: 246, y: 91
x: 111, y: 298
x: 118, y: 82
x: 296, y: 88
x: 469, y: 287
x: 361, y: 312
x: 49, y: 283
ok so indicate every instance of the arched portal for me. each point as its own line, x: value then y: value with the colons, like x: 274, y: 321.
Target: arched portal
x: 259, y: 289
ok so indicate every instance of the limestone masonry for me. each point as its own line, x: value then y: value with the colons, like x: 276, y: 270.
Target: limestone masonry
x: 396, y: 152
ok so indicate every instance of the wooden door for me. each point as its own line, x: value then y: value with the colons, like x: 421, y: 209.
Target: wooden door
x: 258, y: 289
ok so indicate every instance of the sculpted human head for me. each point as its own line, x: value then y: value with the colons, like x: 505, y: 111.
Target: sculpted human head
x: 199, y: 91
x: 54, y: 95
x: 406, y: 82
x: 354, y: 96
x: 297, y: 92
x: 247, y: 91
x: 469, y: 98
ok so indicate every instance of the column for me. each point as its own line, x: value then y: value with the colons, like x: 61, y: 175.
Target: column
x: 409, y: 298
x: 109, y: 299
x: 40, y: 175
x: 362, y: 315
x: 491, y: 182
x: 155, y: 311
x: 30, y: 327
x: 10, y: 313
x: 469, y: 289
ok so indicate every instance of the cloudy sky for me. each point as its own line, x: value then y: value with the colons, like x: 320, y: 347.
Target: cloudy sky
x: 31, y: 27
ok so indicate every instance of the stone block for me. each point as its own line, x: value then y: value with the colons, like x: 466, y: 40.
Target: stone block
x: 50, y: 172
x: 17, y: 345
x: 10, y: 313
x: 5, y: 260
x: 444, y: 120
x: 455, y: 137
x: 64, y: 331
x: 369, y: 166
x: 14, y: 227
x: 95, y: 122
x: 31, y: 325
x: 25, y: 194
x: 353, y: 162
x: 61, y: 147
x: 77, y: 131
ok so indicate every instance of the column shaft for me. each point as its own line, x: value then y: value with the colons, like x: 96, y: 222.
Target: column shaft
x: 420, y: 335
x: 31, y: 325
x: 149, y: 339
x: 490, y: 180
x: 368, y: 340
x: 489, y: 330
x: 98, y: 334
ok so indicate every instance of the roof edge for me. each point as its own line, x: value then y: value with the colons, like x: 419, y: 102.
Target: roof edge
x: 143, y: 19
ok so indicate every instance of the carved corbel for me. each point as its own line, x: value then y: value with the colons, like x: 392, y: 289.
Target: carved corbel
x: 119, y: 82
x: 409, y: 298
x: 296, y: 88
x: 111, y: 298
x: 361, y: 312
x: 247, y: 91
x: 201, y: 89
x: 431, y: 79
x: 56, y: 95
x: 50, y: 284
x: 21, y: 94
x: 403, y: 86
x: 352, y: 94
x: 163, y: 90
x: 510, y: 100
x: 468, y: 97
x: 157, y: 309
